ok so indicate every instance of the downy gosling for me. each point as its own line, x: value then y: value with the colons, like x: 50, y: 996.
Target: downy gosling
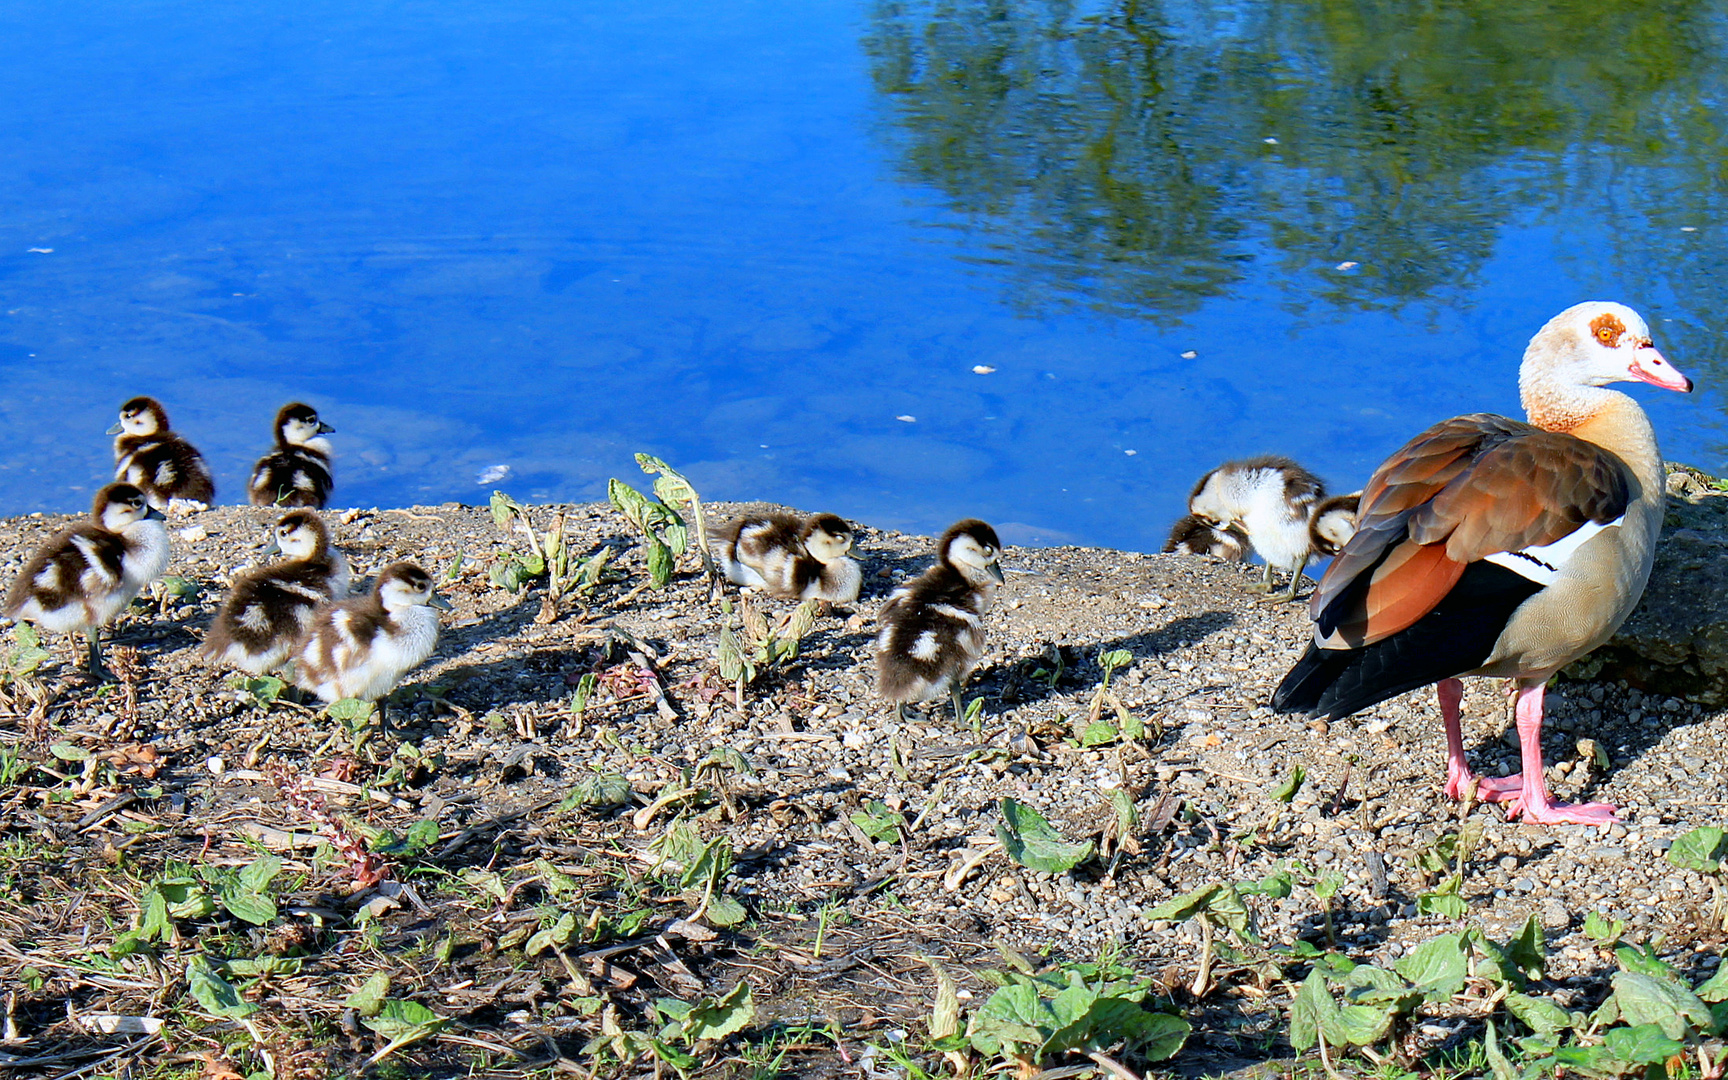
x: 297, y: 471
x: 791, y: 557
x: 166, y: 468
x: 82, y: 577
x: 1192, y: 535
x: 361, y: 647
x: 270, y: 606
x: 1272, y: 500
x: 932, y: 632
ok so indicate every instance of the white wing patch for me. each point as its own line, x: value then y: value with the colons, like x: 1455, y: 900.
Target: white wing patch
x: 926, y: 647
x: 1545, y: 563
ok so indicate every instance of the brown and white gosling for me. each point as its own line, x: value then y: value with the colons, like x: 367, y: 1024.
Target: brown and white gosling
x: 85, y: 575
x: 297, y: 471
x: 270, y: 607
x: 361, y: 647
x: 791, y: 557
x: 932, y: 632
x: 166, y: 468
x: 1333, y: 523
x: 1192, y: 535
x: 1272, y: 500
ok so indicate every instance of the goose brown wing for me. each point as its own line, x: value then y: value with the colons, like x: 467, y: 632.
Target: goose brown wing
x: 1463, y: 490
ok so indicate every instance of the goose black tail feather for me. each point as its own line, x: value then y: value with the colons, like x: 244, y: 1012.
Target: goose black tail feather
x: 1457, y: 636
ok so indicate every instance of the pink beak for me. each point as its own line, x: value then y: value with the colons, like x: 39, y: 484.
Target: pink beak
x: 1649, y: 366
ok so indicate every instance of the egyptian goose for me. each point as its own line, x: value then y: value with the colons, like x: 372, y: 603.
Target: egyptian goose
x: 1193, y: 535
x: 933, y: 626
x: 85, y: 575
x: 1487, y: 546
x: 361, y: 648
x: 297, y: 471
x: 166, y: 468
x: 1269, y: 498
x: 794, y: 558
x: 270, y: 607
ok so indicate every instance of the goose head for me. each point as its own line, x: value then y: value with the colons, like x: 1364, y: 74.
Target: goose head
x: 299, y: 534
x: 972, y: 549
x: 404, y: 585
x: 119, y: 506
x: 828, y: 538
x: 297, y: 424
x: 141, y: 416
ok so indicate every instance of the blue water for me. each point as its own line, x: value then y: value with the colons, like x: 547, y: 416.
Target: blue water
x: 753, y: 237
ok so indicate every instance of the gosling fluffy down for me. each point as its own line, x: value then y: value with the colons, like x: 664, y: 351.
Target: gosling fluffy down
x: 271, y: 606
x: 932, y: 632
x: 361, y: 647
x: 1192, y: 535
x: 1333, y: 523
x: 791, y: 557
x: 297, y: 471
x: 79, y: 579
x: 166, y: 468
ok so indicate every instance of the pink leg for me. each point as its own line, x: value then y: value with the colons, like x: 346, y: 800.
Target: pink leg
x: 1458, y: 774
x: 1533, y: 801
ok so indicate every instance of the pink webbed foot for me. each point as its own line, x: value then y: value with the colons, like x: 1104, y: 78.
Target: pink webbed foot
x: 1558, y: 813
x: 1494, y: 789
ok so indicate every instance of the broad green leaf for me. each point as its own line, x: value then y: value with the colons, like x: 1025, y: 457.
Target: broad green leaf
x: 1010, y: 1018
x: 1647, y: 1000
x: 711, y: 865
x: 1587, y: 1059
x: 558, y: 934
x: 187, y: 900
x: 1700, y: 850
x: 556, y: 881
x: 716, y: 1018
x: 680, y: 844
x: 1642, y: 1045
x: 1448, y: 904
x: 257, y: 874
x: 265, y: 965
x: 66, y: 751
x: 1328, y: 885
x: 1437, y: 967
x: 1715, y: 988
x: 257, y: 908
x: 1643, y: 959
x: 504, y: 508
x: 1538, y: 1014
x: 153, y: 919
x: 1359, y: 1025
x: 404, y: 1021
x: 1034, y: 843
x: 1311, y: 1012
x: 1127, y: 815
x: 1287, y: 790
x: 601, y: 789
x: 1278, y: 886
x: 659, y: 562
x: 213, y: 993
x: 878, y: 822
x: 370, y: 997
x: 1498, y: 1066
x: 421, y: 835
x: 1098, y: 733
x: 488, y: 881
x: 1528, y: 950
x: 1113, y: 660
x: 350, y: 710
x: 1599, y: 928
x: 1186, y: 906
x: 724, y: 911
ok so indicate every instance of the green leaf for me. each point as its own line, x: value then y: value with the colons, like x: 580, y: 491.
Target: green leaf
x: 1359, y: 1025
x: 716, y: 1018
x: 1647, y: 1000
x: 263, y: 689
x: 1009, y: 1023
x: 711, y: 865
x: 1328, y: 885
x: 1098, y: 733
x: 351, y: 710
x: 1278, y: 886
x: 404, y: 1021
x: 1644, y: 1044
x: 1715, y: 988
x: 659, y: 562
x: 153, y: 919
x: 177, y: 586
x: 421, y: 835
x: 1599, y: 928
x: 1643, y: 959
x: 1113, y: 660
x: 878, y: 822
x: 1498, y: 1066
x: 257, y: 874
x: 556, y: 881
x: 370, y: 997
x: 187, y: 900
x: 1186, y: 906
x: 1127, y: 814
x: 1538, y: 1014
x: 1031, y: 841
x: 1700, y: 850
x: 264, y: 965
x: 257, y: 908
x: 601, y: 789
x: 1588, y: 1059
x: 1437, y: 968
x: 66, y: 751
x: 1529, y: 950
x: 1287, y: 790
x: 213, y: 993
x: 724, y: 911
x: 558, y: 934
x: 487, y: 881
x: 504, y: 508
x: 1311, y: 1012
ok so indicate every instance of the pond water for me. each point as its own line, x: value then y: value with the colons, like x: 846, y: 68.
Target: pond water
x: 1042, y: 263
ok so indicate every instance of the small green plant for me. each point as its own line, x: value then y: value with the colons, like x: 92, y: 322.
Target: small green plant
x: 758, y: 648
x: 264, y: 690
x: 1076, y: 1009
x: 1030, y: 840
x: 1099, y: 731
x: 186, y: 892
x: 1215, y: 907
x: 701, y: 866
x: 25, y: 655
x: 674, y: 489
x: 664, y: 530
x: 1448, y: 856
x: 1702, y: 850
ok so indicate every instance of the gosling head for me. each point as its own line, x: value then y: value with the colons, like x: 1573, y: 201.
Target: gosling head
x: 118, y: 506
x: 1191, y: 535
x: 403, y: 585
x: 971, y: 547
x: 828, y: 538
x: 300, y: 534
x: 1333, y: 523
x: 297, y: 424
x: 141, y: 416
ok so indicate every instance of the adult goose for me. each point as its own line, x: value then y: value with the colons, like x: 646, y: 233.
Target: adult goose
x: 1489, y: 546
